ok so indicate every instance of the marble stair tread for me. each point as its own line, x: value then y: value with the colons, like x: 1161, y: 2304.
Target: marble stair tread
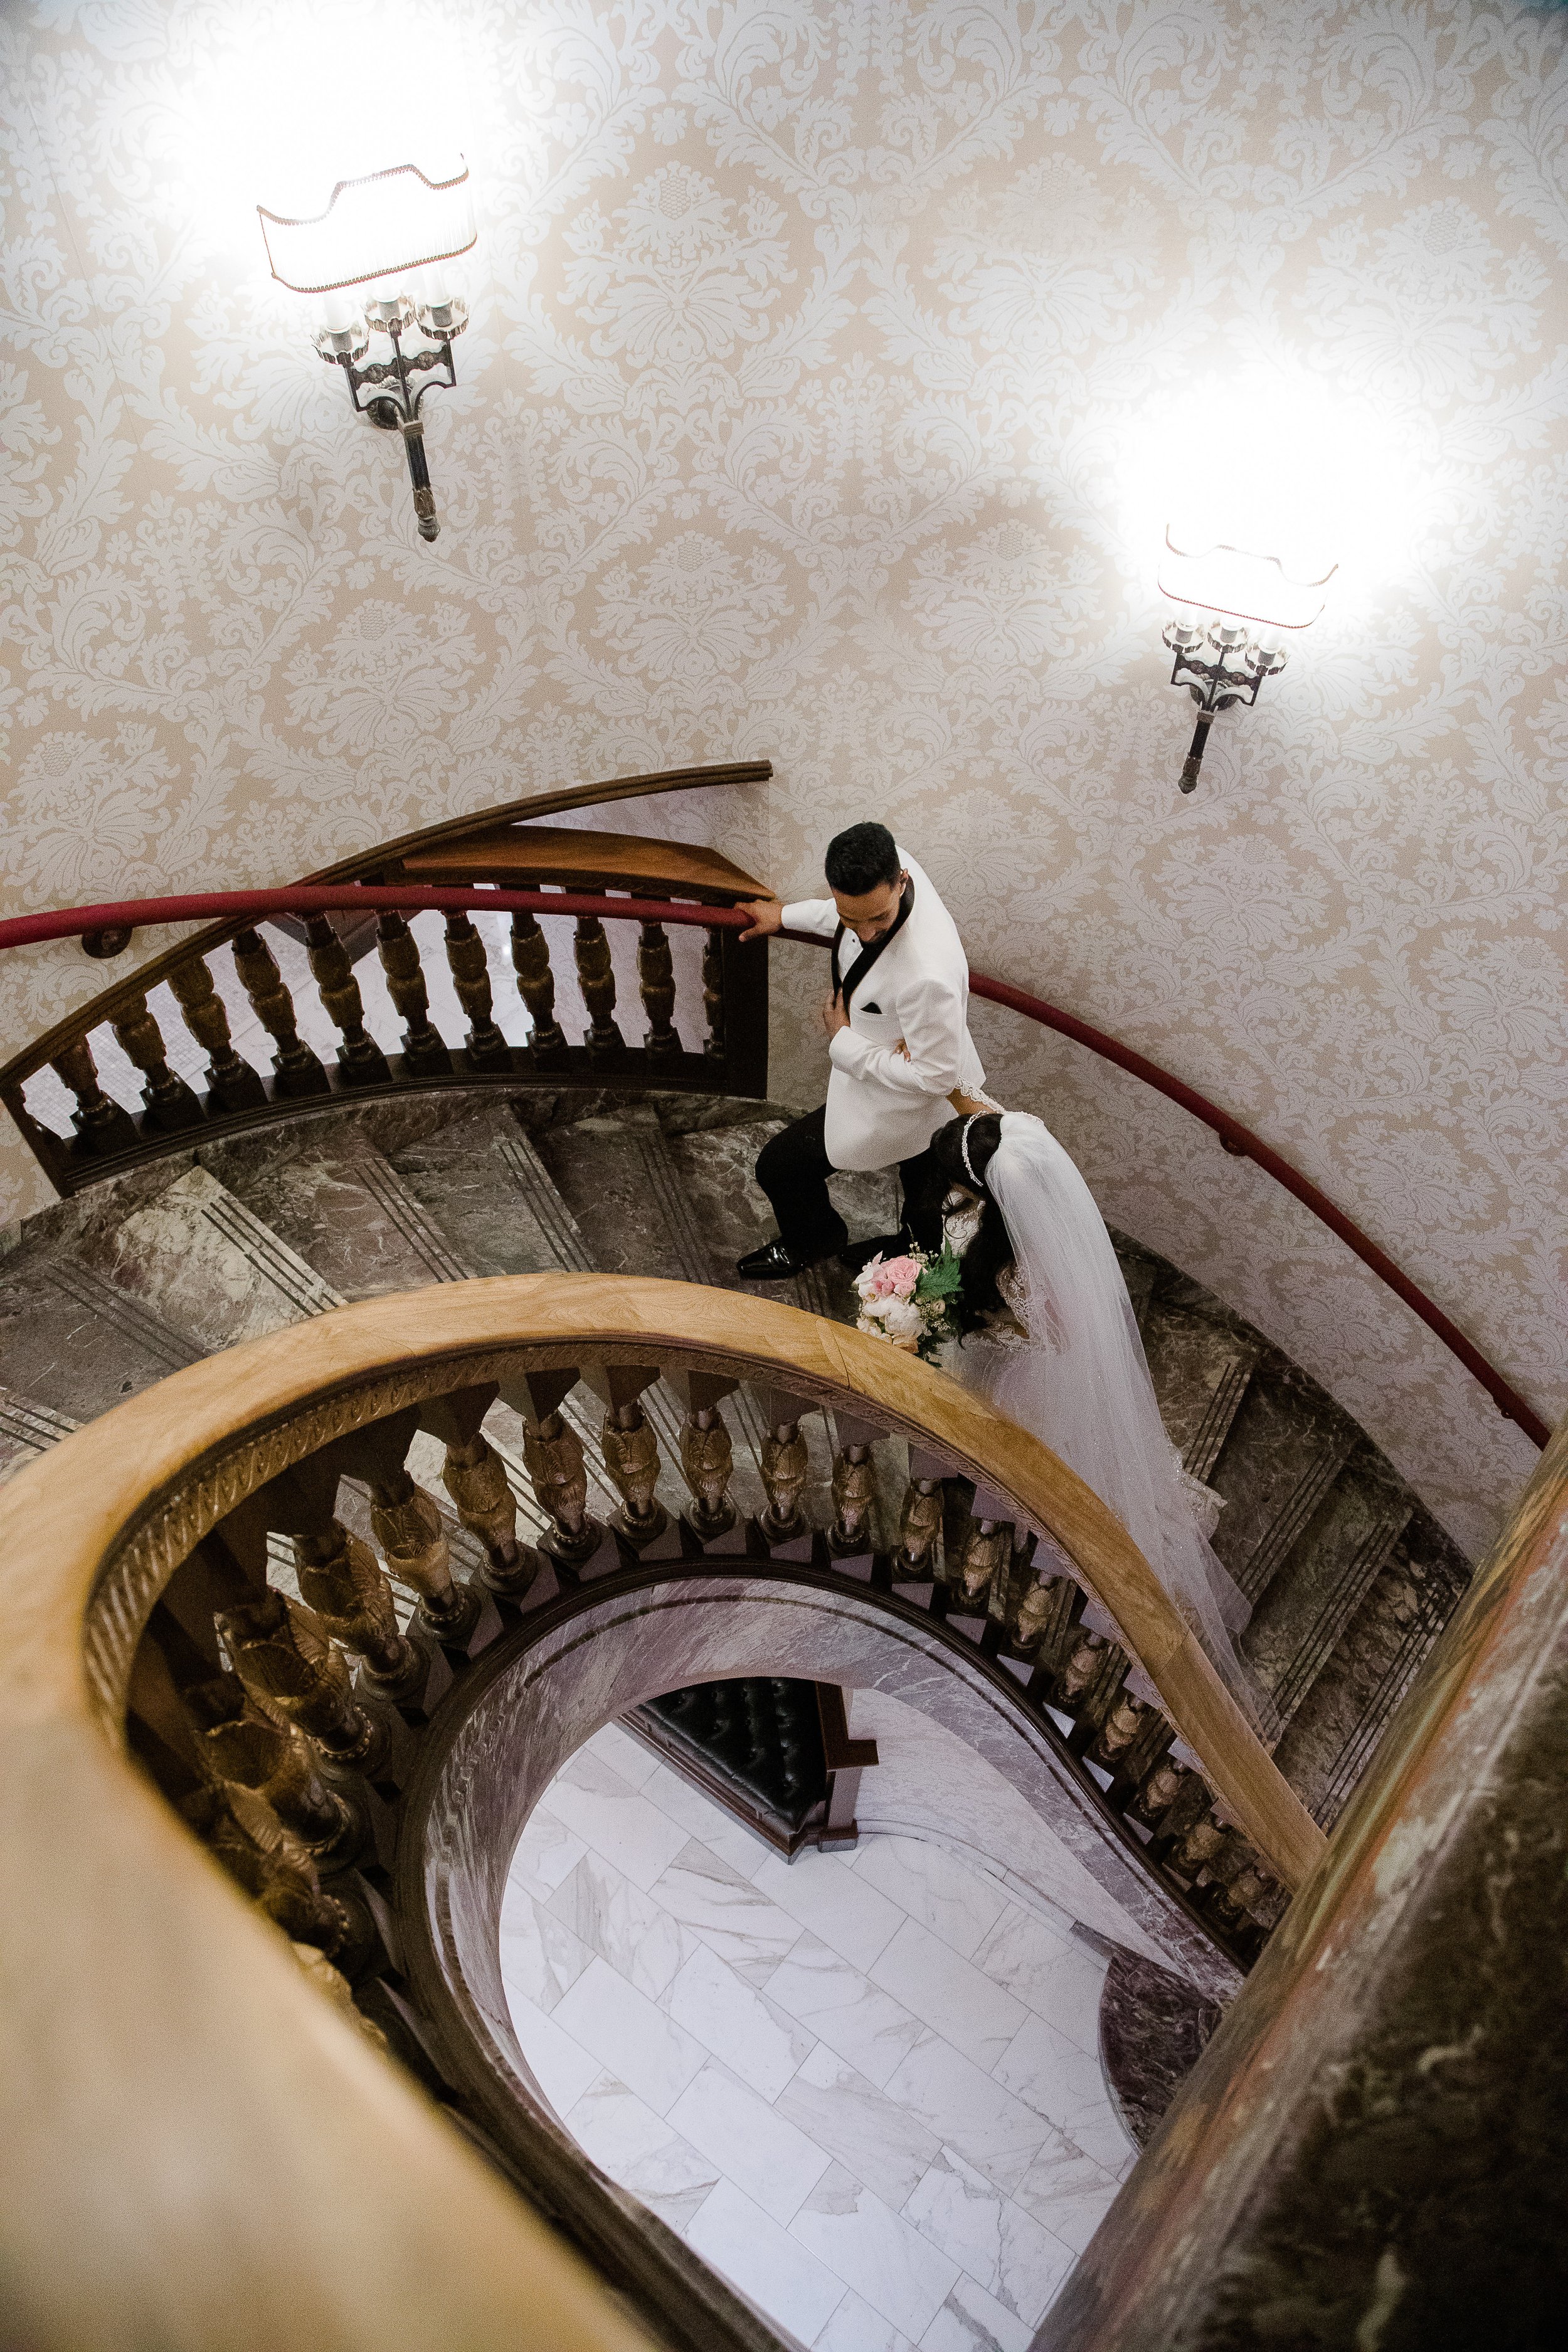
x: 613, y: 1172
x: 479, y: 1179
x: 343, y: 1208
x: 1280, y: 1460
x: 29, y: 1429
x: 1200, y: 1370
x: 75, y: 1343
x: 209, y: 1265
x: 1332, y: 1734
x: 1310, y: 1606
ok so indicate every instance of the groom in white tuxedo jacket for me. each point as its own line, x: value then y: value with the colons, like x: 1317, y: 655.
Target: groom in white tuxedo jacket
x: 897, y: 1020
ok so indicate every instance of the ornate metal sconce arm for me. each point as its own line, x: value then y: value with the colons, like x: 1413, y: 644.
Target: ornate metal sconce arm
x: 395, y: 400
x: 1235, y: 675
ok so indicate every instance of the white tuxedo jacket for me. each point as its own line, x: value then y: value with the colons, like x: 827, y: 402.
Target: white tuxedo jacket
x: 880, y: 1108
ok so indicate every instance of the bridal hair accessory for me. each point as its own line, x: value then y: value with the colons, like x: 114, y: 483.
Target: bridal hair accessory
x: 963, y: 1149
x: 909, y: 1300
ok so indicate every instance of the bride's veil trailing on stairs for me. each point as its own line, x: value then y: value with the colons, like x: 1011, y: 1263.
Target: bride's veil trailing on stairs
x: 1081, y: 1384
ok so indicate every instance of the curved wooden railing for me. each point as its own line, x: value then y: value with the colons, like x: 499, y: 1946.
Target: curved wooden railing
x: 199, y: 2147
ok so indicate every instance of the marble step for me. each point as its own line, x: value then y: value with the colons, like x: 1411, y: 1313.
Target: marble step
x: 1293, y: 1633
x: 1280, y: 1460
x: 1201, y: 1372
x: 1334, y: 1732
x: 479, y: 1180
x: 29, y: 1429
x: 340, y: 1204
x: 207, y: 1266
x: 74, y: 1343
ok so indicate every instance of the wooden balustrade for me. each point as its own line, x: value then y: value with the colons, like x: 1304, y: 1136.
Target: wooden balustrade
x: 135, y: 1568
x: 721, y: 1047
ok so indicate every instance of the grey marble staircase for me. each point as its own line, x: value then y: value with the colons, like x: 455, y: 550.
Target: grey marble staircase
x: 1351, y: 1578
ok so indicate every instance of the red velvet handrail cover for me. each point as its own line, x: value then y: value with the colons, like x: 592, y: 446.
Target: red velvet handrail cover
x: 310, y: 899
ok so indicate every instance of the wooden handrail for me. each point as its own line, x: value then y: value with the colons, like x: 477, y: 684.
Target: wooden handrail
x: 200, y: 2150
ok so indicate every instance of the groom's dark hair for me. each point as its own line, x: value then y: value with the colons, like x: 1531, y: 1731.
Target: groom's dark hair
x: 859, y: 858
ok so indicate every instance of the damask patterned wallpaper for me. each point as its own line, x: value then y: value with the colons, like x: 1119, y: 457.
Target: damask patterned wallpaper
x: 828, y: 358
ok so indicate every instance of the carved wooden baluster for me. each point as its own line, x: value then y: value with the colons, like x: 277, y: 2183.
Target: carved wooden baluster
x: 475, y: 1477
x: 1197, y: 1847
x: 234, y: 1742
x: 713, y: 993
x: 986, y: 1553
x: 655, y: 984
x: 920, y: 1528
x: 485, y: 1046
x: 1046, y: 1617
x: 360, y: 1058
x: 290, y: 1669
x: 536, y: 986
x: 168, y: 1103
x: 853, y: 1492
x: 785, y: 1466
x: 552, y: 1456
x: 232, y: 1084
x: 342, y: 1580
x: 706, y: 1454
x: 101, y: 1123
x: 1135, y: 1761
x: 1159, y: 1792
x: 278, y: 1871
x: 630, y: 1451
x: 296, y: 1069
x: 425, y: 1052
x: 407, y: 1523
x: 334, y: 1986
x: 596, y: 979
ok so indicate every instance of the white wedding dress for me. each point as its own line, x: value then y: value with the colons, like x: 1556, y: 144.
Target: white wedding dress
x: 1074, y: 1374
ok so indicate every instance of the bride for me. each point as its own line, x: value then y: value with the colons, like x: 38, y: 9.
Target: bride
x: 1051, y: 1340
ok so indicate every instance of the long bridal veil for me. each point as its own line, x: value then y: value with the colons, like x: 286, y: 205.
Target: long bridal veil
x: 1081, y: 1384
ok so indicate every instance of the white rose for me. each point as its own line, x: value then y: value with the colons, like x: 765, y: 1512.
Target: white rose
x: 903, y: 1319
x: 876, y: 1308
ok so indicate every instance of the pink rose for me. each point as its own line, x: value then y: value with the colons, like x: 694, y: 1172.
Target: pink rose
x: 895, y: 1277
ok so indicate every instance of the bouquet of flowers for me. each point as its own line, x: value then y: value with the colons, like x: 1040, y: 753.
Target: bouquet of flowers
x: 909, y: 1300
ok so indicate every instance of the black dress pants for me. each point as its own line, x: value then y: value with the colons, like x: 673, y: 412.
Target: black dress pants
x: 792, y: 1169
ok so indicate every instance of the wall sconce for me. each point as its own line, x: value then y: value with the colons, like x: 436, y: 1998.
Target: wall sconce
x: 390, y: 226
x: 1237, y: 607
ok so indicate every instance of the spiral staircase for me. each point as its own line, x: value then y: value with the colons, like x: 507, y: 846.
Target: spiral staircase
x: 472, y: 1442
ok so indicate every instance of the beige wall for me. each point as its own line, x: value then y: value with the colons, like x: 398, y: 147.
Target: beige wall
x: 818, y: 356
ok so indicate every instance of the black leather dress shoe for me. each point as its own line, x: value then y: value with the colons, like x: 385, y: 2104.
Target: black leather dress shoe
x: 772, y: 1263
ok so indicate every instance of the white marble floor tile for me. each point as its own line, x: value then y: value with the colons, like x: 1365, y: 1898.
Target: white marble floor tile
x: 995, y: 2132
x: 889, y: 2264
x: 856, y: 2328
x: 839, y: 2005
x: 627, y: 1927
x: 560, y: 2065
x: 754, y: 2145
x: 972, y: 2321
x: 1056, y: 1976
x: 703, y: 1820
x: 780, y: 2276
x: 868, y: 2135
x: 627, y: 2034
x: 948, y: 1993
x: 539, y: 1957
x: 757, y: 2040
x: 1068, y: 2192
x: 934, y: 1887
x: 622, y: 1754
x: 725, y: 1910
x: 1058, y: 2079
x: 1000, y: 2246
x: 852, y: 1918
x: 546, y: 1852
x: 640, y: 2151
x: 609, y: 1815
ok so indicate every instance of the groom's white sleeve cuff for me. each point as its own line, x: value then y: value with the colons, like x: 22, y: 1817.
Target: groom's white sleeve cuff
x: 817, y: 916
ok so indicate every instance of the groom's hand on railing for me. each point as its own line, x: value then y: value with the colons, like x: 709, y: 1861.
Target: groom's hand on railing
x: 767, y: 916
